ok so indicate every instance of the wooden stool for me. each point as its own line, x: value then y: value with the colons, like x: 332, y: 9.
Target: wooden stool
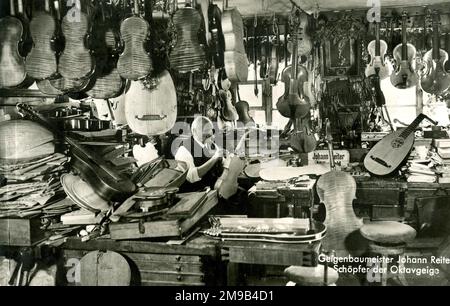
x: 311, y: 276
x: 389, y: 239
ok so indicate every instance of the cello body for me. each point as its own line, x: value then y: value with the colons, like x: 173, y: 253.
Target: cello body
x: 41, y: 61
x: 12, y: 72
x: 188, y: 55
x: 76, y: 61
x: 151, y: 109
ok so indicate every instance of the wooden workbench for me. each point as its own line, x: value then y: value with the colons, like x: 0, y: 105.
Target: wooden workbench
x: 201, y: 261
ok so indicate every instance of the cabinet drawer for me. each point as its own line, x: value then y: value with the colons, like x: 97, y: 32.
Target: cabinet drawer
x: 168, y: 266
x: 165, y: 258
x: 167, y: 276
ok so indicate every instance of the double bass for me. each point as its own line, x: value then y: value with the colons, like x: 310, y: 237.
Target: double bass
x: 435, y: 79
x: 135, y: 62
x: 404, y: 75
x: 76, y: 61
x: 12, y: 72
x: 41, y: 61
x: 294, y: 103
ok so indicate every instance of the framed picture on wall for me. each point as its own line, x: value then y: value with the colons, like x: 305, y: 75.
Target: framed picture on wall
x: 340, y: 59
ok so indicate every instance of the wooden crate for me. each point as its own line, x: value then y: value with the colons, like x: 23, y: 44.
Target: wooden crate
x: 21, y: 231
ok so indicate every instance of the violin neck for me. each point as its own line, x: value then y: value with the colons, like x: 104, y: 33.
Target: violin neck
x: 377, y: 40
x: 436, y: 40
x: 404, y: 41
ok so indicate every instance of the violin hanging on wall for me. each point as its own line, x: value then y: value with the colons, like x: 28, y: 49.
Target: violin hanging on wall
x: 76, y: 61
x: 188, y: 54
x: 404, y: 75
x: 294, y: 104
x: 107, y: 82
x: 377, y: 49
x: 135, y: 62
x: 12, y: 72
x: 274, y: 56
x: 435, y: 79
x: 41, y: 61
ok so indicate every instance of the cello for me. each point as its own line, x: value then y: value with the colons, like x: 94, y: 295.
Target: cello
x: 13, y: 72
x: 135, y: 62
x: 76, y: 61
x: 41, y: 61
x: 404, y: 75
x: 377, y: 49
x: 293, y: 103
x: 435, y: 79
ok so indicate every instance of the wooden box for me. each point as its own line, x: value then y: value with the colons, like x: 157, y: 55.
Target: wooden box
x: 21, y: 232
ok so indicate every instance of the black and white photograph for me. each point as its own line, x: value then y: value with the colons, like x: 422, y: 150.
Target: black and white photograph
x: 224, y: 148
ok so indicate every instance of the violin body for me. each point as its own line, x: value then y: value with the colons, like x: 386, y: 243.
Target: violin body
x: 12, y: 72
x: 41, y: 61
x: 303, y: 139
x: 235, y: 57
x: 135, y: 62
x: 404, y: 75
x: 242, y: 109
x: 377, y: 61
x: 151, y: 109
x: 294, y: 97
x: 227, y: 184
x: 435, y: 80
x: 273, y: 67
x: 229, y: 111
x: 107, y: 82
x: 188, y: 55
x: 76, y: 61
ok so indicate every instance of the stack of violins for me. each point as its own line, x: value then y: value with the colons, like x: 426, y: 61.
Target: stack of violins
x: 294, y: 103
x: 88, y: 53
x: 432, y: 76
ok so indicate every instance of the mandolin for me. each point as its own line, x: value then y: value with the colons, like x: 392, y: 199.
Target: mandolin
x: 235, y: 58
x: 435, y: 79
x: 106, y: 182
x: 392, y: 151
x: 76, y: 61
x: 404, y: 75
x: 41, y: 61
x: 135, y: 62
x: 107, y: 83
x: 337, y: 190
x: 188, y: 55
x: 377, y: 49
x: 294, y: 104
x: 151, y: 105
x: 12, y: 72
